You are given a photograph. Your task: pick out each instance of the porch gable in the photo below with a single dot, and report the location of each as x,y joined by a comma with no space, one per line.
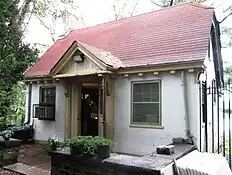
78,60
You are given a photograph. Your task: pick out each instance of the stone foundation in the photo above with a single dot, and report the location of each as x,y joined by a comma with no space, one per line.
9,151
66,164
63,163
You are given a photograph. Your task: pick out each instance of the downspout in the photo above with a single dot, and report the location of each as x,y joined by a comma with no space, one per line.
186,109
29,104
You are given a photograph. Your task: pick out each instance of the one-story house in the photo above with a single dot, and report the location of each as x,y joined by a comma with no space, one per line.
138,76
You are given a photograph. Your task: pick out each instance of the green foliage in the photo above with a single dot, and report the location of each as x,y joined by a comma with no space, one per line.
228,74
226,36
83,145
53,142
16,111
88,145
101,141
227,111
15,56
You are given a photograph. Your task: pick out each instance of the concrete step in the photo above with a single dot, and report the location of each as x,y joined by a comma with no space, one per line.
25,169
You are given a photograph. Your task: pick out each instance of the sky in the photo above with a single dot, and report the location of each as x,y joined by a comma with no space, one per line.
95,12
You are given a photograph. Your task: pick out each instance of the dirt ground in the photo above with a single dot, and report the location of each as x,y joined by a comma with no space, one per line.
35,155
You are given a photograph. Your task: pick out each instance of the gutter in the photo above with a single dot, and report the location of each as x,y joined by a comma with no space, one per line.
186,109
29,104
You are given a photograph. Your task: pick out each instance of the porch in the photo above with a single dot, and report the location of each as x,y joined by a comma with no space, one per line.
89,106
81,104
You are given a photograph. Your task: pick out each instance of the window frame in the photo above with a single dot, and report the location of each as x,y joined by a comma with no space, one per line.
40,94
132,103
44,105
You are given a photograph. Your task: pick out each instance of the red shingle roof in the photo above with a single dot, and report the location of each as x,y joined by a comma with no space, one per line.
174,34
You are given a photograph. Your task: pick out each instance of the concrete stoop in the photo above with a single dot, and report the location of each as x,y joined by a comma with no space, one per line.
24,169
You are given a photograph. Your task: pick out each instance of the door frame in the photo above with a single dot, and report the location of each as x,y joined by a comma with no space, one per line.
100,106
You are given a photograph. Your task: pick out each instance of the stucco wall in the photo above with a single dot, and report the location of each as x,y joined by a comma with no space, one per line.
44,128
144,140
209,75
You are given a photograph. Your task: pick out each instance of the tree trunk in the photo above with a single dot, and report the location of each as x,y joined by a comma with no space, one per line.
171,2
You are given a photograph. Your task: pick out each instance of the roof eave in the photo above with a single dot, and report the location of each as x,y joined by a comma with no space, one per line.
163,66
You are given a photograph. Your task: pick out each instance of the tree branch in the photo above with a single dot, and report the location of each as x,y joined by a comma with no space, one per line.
24,10
48,28
28,21
121,10
171,2
200,1
157,4
83,21
134,8
225,18
40,44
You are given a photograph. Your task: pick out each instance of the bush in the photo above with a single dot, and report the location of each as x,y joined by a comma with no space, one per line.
53,142
88,145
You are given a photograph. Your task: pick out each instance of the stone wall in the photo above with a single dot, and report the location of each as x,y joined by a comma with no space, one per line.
66,164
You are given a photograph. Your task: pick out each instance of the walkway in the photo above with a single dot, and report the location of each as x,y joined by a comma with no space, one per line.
35,155
33,159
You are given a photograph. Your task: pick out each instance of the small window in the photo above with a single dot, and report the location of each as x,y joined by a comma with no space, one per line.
45,110
48,95
146,107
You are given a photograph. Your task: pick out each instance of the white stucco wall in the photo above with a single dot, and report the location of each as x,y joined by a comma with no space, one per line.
193,105
209,75
44,128
144,140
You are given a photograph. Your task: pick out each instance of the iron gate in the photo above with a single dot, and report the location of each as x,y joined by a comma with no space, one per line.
215,118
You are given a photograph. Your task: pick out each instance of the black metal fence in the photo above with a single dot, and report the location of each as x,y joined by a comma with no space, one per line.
215,118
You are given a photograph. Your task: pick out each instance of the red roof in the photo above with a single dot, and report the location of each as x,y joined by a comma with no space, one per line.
170,35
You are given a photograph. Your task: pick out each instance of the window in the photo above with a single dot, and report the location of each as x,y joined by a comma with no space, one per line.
48,95
146,107
45,110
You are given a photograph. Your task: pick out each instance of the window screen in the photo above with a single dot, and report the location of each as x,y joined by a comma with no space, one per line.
146,102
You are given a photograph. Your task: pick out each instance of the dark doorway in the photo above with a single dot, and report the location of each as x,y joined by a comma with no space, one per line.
89,111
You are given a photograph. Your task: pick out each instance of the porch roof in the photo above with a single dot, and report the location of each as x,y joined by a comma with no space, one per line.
81,73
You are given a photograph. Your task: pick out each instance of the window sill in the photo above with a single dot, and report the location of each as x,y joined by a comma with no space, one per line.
146,126
46,119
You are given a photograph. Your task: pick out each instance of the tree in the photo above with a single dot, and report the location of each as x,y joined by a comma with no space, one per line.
16,111
15,56
125,8
166,3
54,13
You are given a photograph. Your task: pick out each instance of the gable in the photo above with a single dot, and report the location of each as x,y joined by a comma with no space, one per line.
73,65
77,59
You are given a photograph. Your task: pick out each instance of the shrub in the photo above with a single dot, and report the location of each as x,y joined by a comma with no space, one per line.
87,145
53,142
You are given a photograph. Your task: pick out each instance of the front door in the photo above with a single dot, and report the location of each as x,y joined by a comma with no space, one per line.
89,110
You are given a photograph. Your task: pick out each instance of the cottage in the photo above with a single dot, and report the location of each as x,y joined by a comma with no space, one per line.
135,80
